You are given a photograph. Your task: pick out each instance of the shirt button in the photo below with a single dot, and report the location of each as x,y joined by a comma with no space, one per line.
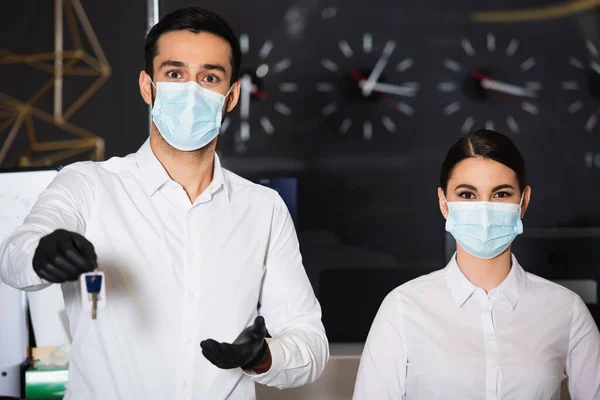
191,296
185,385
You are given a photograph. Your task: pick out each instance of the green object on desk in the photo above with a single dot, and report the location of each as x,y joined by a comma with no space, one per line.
45,382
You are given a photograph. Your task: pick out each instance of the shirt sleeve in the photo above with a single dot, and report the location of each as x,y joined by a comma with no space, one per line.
382,369
583,361
299,347
65,204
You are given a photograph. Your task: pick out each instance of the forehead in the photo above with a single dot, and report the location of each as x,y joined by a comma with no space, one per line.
193,48
481,172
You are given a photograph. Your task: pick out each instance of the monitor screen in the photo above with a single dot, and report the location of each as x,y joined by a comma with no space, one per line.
351,297
354,253
20,191
288,190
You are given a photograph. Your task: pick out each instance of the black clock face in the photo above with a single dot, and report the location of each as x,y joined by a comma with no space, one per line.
268,95
581,86
366,85
490,80
367,91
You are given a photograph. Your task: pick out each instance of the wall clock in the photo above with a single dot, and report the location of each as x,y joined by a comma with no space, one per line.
490,82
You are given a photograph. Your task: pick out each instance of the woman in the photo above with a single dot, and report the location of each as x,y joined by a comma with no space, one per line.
481,328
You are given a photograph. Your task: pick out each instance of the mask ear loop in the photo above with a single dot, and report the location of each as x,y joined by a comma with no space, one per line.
521,203
522,197
226,101
152,91
228,92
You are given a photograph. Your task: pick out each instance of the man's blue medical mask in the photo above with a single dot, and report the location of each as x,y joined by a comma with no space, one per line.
484,229
187,115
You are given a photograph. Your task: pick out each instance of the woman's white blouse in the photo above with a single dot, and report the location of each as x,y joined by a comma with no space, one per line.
441,337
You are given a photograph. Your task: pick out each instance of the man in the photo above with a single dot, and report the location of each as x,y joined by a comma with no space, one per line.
200,265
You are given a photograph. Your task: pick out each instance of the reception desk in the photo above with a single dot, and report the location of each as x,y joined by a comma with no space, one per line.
336,383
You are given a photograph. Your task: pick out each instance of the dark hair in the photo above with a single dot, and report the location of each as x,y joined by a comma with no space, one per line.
484,144
196,20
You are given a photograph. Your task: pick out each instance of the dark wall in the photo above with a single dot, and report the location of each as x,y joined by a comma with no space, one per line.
115,112
378,196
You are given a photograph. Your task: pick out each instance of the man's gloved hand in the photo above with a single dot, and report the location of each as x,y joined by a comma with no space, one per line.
63,256
247,351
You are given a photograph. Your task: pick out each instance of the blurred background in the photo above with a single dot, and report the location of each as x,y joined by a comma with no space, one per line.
358,172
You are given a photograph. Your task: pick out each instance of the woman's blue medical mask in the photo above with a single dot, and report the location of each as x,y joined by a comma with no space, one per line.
484,229
187,115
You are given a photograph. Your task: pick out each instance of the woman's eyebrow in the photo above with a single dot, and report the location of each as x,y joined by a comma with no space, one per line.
466,186
504,186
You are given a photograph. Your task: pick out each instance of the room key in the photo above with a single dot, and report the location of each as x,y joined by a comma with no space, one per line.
93,285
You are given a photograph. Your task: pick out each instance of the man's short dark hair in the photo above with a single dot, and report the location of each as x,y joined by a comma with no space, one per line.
196,20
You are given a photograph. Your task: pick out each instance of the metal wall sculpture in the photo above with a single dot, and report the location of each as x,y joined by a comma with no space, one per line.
16,114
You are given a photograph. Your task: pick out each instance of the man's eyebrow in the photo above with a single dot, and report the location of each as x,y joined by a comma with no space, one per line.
218,67
171,63
181,64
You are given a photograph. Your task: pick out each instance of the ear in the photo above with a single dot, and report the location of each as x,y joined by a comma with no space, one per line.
526,198
234,96
442,203
146,87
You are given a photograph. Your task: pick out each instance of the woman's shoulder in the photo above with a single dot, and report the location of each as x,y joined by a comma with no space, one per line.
538,286
421,287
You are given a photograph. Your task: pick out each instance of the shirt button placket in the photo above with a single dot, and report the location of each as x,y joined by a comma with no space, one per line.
491,350
188,352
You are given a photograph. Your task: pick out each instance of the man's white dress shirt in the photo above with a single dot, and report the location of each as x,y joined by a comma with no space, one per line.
441,337
176,273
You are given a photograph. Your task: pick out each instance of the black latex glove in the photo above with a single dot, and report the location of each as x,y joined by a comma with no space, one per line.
247,351
63,256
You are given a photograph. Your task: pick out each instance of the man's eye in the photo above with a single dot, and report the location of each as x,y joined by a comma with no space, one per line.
174,75
212,79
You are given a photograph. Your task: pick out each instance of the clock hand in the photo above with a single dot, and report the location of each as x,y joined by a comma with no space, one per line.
386,88
502,87
506,88
398,90
378,69
246,88
357,75
260,94
388,99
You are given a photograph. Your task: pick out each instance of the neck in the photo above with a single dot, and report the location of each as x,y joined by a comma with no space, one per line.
193,170
486,274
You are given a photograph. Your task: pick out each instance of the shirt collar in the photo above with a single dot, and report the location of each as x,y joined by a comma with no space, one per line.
154,175
513,286
219,180
461,288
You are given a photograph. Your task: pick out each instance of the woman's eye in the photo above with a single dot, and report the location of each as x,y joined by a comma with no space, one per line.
503,195
467,195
